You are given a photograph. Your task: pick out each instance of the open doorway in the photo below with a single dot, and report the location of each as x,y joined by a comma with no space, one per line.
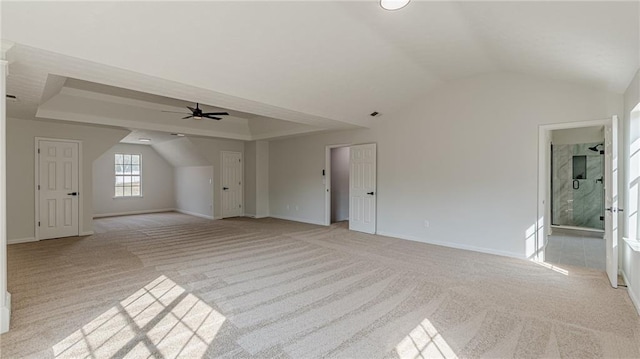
577,198
540,249
339,185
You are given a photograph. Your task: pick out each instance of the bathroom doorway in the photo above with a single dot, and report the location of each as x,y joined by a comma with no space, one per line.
577,198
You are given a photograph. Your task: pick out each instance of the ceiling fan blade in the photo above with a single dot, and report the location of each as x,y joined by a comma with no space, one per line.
191,108
212,117
184,118
184,113
216,114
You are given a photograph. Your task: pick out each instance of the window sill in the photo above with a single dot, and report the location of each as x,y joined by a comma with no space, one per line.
634,244
128,197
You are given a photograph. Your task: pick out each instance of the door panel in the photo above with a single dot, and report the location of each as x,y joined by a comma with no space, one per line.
58,178
611,232
362,188
232,184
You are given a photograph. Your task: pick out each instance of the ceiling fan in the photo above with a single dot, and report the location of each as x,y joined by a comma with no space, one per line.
197,113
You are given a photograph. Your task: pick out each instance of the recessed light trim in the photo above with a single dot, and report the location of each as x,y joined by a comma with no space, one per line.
392,5
142,139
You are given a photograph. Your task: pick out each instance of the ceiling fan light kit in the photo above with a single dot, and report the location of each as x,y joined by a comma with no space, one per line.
197,114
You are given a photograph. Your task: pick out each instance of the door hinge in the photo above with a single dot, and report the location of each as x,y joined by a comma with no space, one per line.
240,206
38,224
38,187
38,150
239,160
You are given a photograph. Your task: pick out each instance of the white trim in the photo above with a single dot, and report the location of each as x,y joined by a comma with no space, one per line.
635,300
193,213
86,233
633,244
452,245
5,314
21,240
117,214
301,220
251,215
37,180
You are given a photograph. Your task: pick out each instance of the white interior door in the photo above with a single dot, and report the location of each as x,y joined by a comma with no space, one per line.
362,188
231,184
611,231
57,189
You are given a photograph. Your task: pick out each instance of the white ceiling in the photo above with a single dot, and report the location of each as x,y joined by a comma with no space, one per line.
321,64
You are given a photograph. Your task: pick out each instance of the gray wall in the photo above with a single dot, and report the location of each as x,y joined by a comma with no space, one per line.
21,173
630,250
340,184
250,178
432,161
157,183
194,190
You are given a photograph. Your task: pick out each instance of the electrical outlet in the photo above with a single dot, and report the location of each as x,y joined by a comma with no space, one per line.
297,207
287,207
426,223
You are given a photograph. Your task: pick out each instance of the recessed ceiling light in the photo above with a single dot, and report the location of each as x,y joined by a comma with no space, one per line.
144,139
393,4
178,134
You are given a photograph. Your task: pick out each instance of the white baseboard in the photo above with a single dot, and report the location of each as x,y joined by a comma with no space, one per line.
295,219
193,213
21,240
452,245
254,216
86,233
102,215
5,314
635,300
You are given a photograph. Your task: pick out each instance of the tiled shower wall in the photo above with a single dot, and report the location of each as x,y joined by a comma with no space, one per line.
577,207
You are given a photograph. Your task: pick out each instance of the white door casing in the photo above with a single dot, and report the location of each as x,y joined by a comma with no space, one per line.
611,231
362,188
232,190
58,189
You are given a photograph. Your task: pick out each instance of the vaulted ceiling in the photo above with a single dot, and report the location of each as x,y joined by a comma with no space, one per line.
298,67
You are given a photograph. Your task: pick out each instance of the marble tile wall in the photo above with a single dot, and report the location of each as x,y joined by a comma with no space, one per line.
580,207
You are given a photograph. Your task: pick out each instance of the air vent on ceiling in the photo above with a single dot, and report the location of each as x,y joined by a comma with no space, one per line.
374,114
12,97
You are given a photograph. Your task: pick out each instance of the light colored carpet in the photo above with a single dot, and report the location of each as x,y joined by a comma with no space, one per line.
269,288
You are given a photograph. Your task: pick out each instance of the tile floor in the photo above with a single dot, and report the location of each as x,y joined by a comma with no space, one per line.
576,250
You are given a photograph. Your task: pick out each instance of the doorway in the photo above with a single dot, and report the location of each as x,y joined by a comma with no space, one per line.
362,193
57,172
339,186
558,228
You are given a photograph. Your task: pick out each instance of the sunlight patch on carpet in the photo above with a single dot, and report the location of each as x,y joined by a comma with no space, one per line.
159,318
424,341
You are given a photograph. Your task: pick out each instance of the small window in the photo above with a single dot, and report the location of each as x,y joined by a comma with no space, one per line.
128,180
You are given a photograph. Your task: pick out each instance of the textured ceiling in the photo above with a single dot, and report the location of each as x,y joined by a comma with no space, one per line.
325,63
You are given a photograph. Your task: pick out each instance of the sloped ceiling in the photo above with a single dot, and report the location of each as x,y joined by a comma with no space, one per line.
322,64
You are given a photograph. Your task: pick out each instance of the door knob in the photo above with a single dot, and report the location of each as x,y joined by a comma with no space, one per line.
370,193
72,194
225,188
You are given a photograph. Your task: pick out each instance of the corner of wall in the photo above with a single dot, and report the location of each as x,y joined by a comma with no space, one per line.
5,314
